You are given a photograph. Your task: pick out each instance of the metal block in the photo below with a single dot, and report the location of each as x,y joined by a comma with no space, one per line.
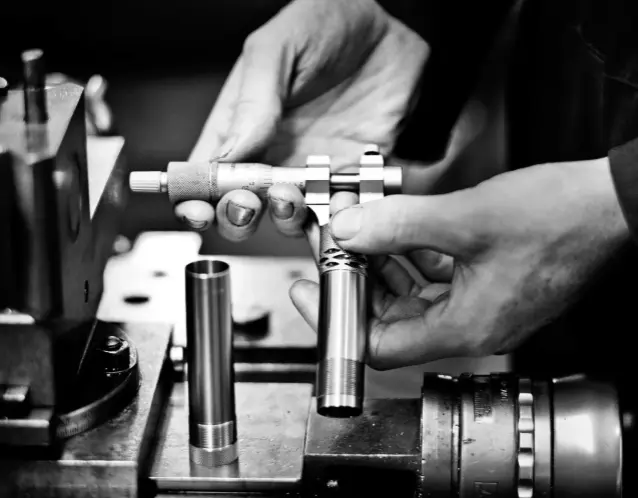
112,459
271,426
359,456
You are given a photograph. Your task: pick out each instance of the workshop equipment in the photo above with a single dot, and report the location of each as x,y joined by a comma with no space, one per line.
52,259
494,435
343,275
209,356
63,372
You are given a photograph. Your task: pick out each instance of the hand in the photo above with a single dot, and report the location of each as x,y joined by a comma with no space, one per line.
524,245
319,78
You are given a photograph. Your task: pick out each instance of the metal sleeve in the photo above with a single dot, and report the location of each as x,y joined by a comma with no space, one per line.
342,334
209,353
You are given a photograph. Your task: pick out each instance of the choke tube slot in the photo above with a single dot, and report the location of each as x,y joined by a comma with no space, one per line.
211,382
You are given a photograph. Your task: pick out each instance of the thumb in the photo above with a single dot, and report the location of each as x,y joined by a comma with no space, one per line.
401,223
266,68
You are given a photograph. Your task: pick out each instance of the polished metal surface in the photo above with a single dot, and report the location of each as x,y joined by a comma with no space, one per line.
271,423
375,454
525,424
112,459
587,439
543,423
439,436
341,333
209,358
488,435
35,104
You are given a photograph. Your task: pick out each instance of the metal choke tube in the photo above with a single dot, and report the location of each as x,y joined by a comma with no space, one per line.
341,329
211,386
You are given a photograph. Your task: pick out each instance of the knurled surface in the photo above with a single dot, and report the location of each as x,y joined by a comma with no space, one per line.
340,376
146,181
216,436
332,257
192,181
213,458
525,485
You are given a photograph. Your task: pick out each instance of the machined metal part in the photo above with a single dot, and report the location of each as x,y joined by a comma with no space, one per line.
64,195
209,351
342,334
468,436
113,459
271,429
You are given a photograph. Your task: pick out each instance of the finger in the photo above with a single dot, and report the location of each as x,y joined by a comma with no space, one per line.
196,215
414,340
394,276
238,215
433,265
342,200
267,62
313,235
287,209
305,297
434,292
400,223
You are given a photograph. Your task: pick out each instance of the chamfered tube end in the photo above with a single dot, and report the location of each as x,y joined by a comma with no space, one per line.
340,384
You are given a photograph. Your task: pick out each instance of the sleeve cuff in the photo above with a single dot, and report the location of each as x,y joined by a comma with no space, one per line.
623,161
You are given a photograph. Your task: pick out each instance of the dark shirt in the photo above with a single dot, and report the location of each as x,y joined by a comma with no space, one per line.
572,95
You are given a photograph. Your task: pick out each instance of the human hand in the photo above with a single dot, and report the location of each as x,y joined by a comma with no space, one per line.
520,249
319,78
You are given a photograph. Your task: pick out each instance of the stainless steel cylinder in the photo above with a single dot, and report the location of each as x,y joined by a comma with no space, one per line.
209,354
342,337
35,105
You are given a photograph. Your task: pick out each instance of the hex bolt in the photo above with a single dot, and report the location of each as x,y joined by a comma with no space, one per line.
114,354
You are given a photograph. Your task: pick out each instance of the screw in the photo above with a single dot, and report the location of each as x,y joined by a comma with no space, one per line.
112,343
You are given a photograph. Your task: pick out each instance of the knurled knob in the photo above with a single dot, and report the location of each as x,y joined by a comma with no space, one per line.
148,181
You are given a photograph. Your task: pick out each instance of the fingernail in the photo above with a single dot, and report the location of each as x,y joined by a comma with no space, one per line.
239,215
282,209
195,224
346,223
225,149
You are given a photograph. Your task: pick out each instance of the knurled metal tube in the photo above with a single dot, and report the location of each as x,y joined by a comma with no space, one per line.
35,105
209,354
341,330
